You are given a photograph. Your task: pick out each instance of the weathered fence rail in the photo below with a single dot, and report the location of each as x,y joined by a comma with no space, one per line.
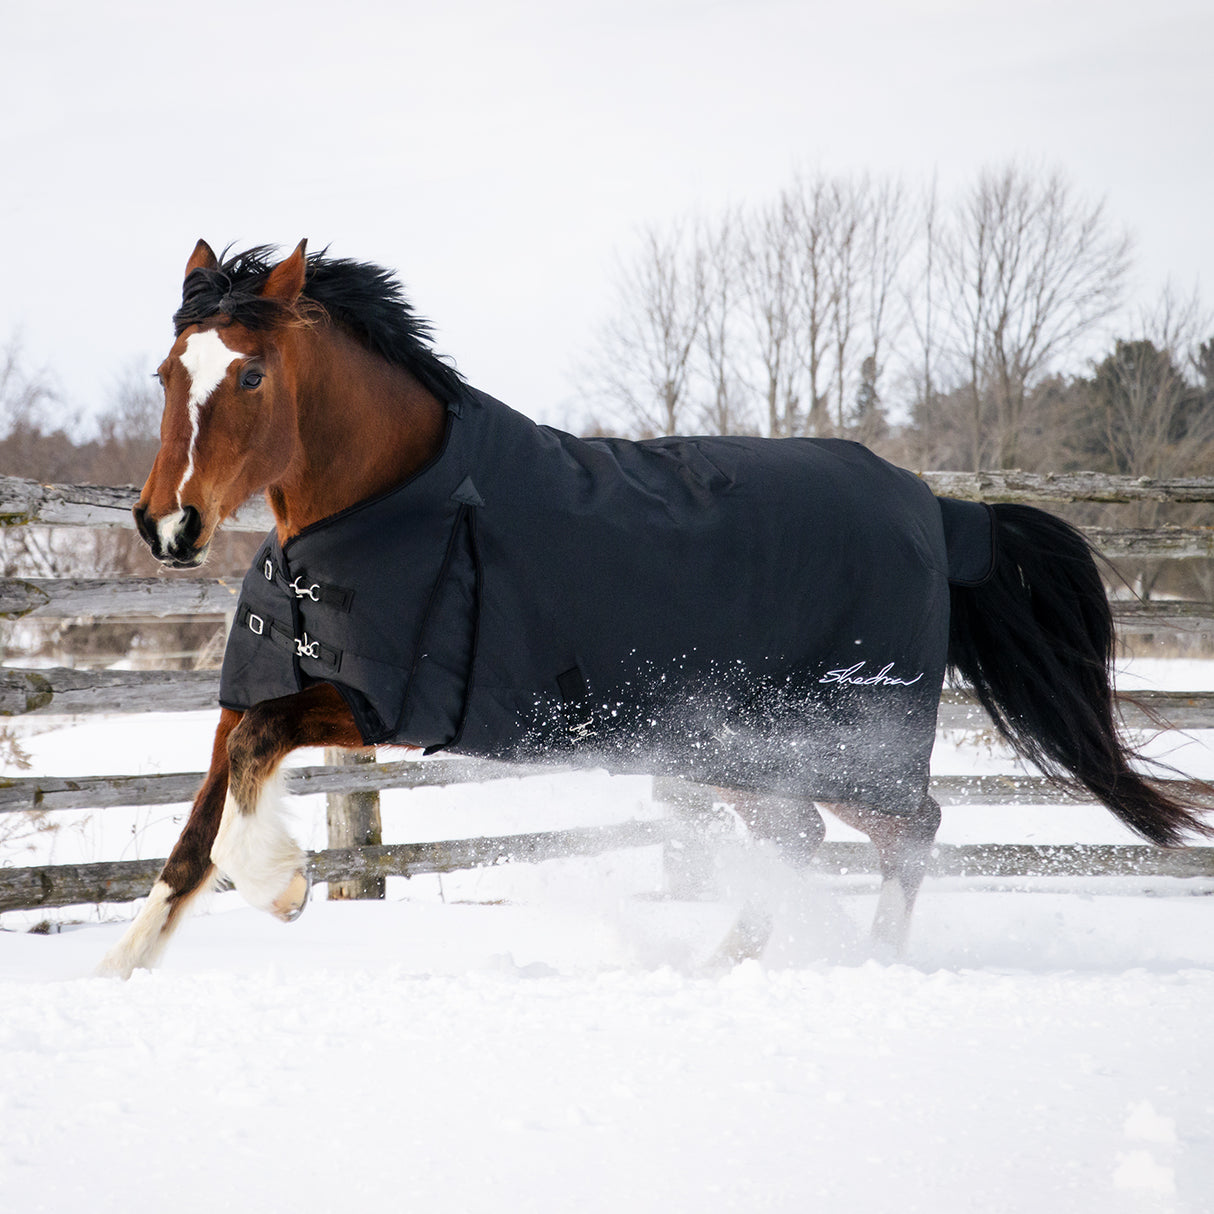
29,502
59,690
125,880
160,598
23,794
1032,487
62,691
116,598
25,501
70,692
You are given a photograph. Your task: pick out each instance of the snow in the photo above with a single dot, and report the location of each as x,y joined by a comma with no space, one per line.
548,1038
468,1058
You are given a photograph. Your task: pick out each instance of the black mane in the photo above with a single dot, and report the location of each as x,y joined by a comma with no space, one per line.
363,299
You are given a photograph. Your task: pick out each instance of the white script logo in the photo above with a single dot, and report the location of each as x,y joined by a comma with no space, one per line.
852,677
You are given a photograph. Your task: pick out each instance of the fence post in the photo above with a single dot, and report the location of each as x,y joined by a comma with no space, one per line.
354,821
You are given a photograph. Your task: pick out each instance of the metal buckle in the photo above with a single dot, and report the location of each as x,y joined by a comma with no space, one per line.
257,625
306,592
307,648
268,569
582,730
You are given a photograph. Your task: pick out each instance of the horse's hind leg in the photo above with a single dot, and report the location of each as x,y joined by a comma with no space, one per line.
904,844
252,847
795,827
187,873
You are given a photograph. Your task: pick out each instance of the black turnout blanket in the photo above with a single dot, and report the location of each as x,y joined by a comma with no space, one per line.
753,613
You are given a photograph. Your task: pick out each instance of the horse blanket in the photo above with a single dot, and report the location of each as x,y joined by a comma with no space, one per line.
755,613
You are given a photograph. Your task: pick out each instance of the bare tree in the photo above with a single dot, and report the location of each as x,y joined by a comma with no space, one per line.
25,395
812,215
33,446
1150,417
887,240
35,427
768,301
927,331
1028,269
719,263
644,363
128,429
807,258
783,319
846,257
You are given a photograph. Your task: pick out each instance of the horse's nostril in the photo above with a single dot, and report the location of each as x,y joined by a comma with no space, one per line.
146,531
141,520
191,527
173,538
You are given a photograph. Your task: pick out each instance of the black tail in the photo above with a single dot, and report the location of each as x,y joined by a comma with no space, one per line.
1036,643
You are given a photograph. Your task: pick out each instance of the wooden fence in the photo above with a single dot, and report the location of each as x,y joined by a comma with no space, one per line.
72,692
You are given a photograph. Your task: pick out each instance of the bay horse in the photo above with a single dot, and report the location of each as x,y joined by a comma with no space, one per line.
771,616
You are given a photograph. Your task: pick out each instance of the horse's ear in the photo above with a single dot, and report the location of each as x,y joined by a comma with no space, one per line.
202,258
286,280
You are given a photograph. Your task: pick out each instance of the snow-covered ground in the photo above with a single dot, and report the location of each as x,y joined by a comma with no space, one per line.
548,1038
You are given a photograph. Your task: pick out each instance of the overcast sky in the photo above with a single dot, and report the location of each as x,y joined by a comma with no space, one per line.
498,155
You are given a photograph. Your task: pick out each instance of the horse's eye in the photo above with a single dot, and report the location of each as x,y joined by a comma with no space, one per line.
251,379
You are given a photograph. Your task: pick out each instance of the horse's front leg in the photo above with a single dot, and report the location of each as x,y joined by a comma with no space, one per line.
187,873
904,845
252,847
797,830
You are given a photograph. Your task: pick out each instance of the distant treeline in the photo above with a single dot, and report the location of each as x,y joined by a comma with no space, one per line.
987,329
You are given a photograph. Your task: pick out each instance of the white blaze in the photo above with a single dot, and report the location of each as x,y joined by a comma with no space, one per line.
167,526
206,361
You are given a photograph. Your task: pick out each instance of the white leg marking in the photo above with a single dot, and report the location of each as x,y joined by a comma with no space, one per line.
142,942
206,360
259,856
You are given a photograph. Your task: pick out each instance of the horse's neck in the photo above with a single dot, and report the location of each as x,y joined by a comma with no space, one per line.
364,426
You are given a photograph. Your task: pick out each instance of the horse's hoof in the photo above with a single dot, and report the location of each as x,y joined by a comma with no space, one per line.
745,941
290,904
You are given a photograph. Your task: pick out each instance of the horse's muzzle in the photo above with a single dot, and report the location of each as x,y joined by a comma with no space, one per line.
173,539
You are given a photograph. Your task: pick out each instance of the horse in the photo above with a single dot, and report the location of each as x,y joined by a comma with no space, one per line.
774,616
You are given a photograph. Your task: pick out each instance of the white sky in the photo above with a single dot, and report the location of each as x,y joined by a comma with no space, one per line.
497,155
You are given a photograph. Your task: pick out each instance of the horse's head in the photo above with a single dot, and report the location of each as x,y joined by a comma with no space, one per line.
229,402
